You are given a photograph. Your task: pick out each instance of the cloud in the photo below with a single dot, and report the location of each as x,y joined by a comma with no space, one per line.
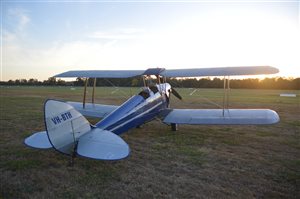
16,21
19,18
14,28
221,42
8,36
41,63
118,34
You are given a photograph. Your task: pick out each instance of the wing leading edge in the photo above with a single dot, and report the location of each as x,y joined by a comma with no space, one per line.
215,116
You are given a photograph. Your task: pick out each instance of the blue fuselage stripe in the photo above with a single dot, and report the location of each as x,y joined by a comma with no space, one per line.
135,116
133,113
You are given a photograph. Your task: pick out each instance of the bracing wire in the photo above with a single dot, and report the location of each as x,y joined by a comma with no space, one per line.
123,94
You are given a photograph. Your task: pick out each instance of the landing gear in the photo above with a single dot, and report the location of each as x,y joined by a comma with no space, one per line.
174,127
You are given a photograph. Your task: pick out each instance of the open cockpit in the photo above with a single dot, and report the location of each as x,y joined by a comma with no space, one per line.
149,91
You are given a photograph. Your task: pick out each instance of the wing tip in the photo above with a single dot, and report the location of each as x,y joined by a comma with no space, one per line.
273,117
271,70
64,74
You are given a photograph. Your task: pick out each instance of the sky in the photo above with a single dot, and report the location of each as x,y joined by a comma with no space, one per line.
42,38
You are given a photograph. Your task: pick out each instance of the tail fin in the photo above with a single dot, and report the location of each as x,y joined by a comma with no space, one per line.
64,125
69,131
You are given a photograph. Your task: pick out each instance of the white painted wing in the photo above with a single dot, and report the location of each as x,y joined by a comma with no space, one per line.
102,145
38,140
222,71
215,116
101,73
93,110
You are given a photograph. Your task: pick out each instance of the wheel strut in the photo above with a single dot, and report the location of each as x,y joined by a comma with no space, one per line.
174,127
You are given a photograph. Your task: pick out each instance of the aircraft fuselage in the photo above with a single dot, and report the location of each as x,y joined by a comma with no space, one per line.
137,110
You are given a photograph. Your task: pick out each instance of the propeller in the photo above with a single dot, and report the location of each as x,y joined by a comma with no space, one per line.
174,92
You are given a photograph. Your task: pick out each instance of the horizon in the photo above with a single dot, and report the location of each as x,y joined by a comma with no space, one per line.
211,78
41,39
197,83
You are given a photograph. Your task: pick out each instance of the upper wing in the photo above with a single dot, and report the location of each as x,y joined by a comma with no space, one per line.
93,110
215,116
192,72
101,73
222,71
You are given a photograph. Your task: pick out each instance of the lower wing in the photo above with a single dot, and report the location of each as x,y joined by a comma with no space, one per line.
93,110
220,116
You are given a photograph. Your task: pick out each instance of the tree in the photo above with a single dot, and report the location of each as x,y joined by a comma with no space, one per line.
32,82
78,82
51,81
60,82
134,82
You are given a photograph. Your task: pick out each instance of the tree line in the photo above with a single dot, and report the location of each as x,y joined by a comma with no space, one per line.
267,83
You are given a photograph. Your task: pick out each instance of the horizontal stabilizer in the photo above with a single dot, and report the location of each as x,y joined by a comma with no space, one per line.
217,116
102,145
38,140
93,110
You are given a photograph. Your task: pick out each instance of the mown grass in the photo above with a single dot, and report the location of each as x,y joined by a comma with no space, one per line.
182,145
19,165
194,162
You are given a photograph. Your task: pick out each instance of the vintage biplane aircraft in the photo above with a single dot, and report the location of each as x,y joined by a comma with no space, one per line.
70,133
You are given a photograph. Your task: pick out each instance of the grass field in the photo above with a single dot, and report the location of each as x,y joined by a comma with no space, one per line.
194,162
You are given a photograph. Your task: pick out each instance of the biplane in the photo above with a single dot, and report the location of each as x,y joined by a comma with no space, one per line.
69,132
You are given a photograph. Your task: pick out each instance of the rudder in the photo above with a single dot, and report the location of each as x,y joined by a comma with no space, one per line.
64,125
70,132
